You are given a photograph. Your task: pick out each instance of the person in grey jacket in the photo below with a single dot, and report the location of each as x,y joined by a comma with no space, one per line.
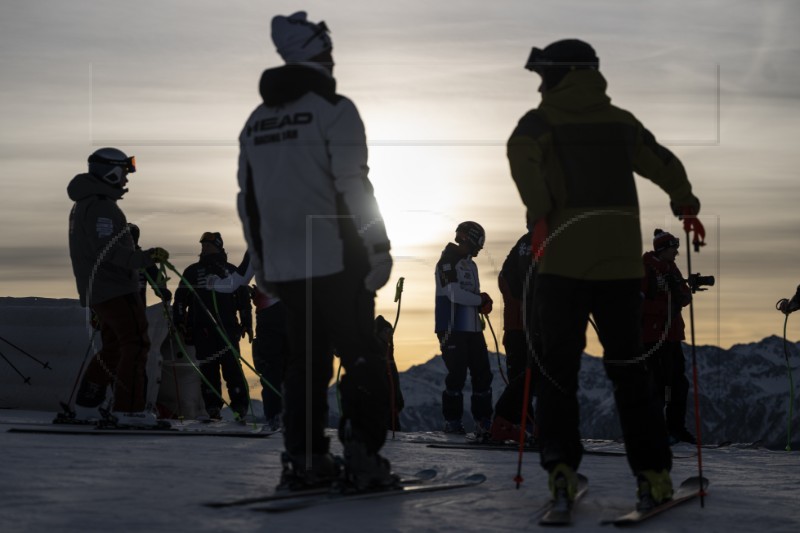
317,241
106,265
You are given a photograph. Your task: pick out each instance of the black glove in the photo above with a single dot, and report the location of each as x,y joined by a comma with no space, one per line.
95,321
165,294
486,304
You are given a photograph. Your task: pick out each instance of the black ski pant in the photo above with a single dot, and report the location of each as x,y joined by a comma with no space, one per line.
327,315
462,352
270,351
672,386
509,405
214,355
122,360
563,309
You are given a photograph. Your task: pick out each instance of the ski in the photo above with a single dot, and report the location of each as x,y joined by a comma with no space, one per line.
303,502
513,447
419,477
75,429
557,515
688,490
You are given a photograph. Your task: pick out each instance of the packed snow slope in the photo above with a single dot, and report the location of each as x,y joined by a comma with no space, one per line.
62,483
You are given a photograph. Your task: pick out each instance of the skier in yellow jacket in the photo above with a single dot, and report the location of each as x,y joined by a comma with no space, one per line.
573,160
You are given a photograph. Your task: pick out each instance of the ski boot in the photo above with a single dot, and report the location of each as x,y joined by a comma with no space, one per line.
134,420
298,475
482,430
364,471
454,427
681,435
78,414
563,485
652,489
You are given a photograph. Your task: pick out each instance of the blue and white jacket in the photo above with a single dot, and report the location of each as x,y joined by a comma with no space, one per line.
458,292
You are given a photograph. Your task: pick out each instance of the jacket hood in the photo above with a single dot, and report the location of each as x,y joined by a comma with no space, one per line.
651,259
85,185
580,90
289,82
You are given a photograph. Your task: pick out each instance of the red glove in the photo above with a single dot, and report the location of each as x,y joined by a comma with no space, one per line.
486,304
692,223
538,238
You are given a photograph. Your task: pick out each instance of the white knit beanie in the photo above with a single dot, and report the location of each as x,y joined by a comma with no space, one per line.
297,39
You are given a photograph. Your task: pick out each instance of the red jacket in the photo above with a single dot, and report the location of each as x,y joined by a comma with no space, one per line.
665,293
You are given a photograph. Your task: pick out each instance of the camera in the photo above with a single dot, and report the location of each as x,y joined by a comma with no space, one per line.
697,281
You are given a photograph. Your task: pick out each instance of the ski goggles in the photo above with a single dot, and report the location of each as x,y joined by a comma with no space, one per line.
213,237
127,164
322,28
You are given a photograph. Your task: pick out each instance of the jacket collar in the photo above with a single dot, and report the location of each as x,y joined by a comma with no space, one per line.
580,90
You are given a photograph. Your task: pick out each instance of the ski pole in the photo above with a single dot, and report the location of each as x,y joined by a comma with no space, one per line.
393,406
398,297
529,353
71,400
695,377
25,380
496,349
45,364
518,479
791,389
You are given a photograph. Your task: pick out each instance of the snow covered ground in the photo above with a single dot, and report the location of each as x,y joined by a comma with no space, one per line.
64,483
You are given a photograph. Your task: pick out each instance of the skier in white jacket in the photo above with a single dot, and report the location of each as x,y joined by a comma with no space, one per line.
318,241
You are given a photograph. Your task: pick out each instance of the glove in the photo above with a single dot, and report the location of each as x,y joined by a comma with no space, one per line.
380,268
538,238
692,224
157,255
95,321
786,306
486,304
166,294
211,281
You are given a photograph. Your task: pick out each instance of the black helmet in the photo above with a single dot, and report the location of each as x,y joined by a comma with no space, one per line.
472,234
560,58
110,165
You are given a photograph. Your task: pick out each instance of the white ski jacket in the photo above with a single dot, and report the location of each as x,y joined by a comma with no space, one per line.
305,201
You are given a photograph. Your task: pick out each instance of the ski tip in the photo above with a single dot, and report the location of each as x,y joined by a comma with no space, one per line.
695,482
425,474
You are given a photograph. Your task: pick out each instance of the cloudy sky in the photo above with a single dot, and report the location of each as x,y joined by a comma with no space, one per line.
440,86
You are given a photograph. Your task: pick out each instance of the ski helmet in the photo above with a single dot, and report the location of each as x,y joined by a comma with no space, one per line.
212,237
560,58
471,234
111,165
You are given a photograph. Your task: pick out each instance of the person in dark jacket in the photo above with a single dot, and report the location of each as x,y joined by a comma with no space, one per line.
198,313
573,160
106,264
665,294
318,242
516,281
